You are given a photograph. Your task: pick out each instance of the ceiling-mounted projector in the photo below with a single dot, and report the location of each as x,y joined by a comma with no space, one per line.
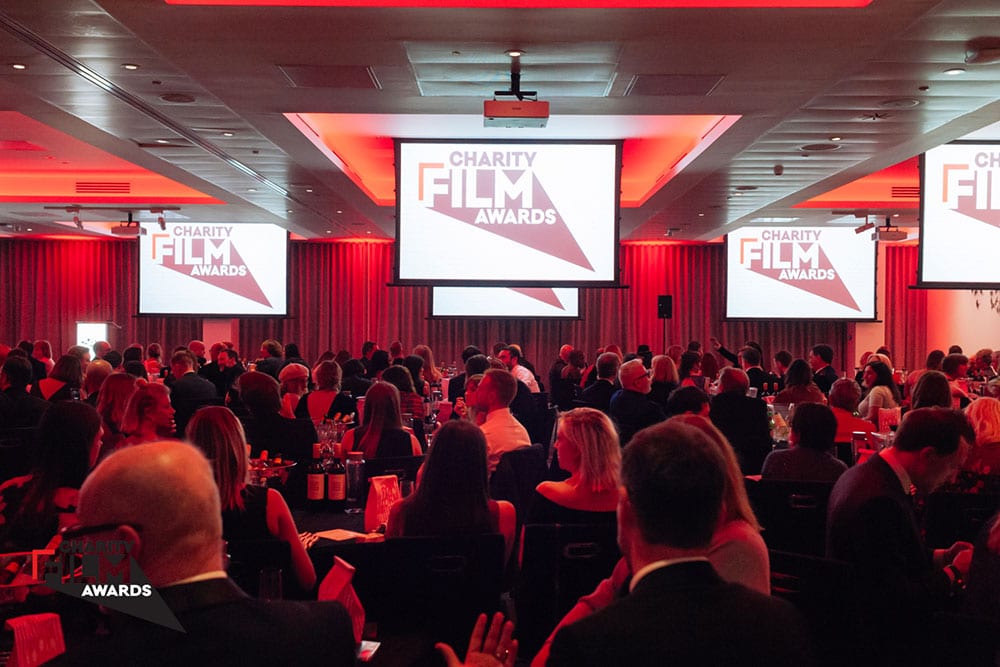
128,229
515,113
889,233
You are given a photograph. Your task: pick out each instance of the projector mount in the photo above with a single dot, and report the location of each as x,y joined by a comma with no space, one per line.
515,81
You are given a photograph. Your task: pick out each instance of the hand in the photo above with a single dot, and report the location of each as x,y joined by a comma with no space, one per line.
486,649
962,560
715,343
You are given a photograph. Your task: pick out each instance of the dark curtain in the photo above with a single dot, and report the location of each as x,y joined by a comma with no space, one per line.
905,310
340,296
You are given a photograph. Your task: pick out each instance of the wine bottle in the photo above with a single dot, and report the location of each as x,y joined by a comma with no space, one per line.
336,486
316,480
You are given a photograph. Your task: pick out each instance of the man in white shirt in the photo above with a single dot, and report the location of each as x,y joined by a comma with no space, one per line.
503,432
511,357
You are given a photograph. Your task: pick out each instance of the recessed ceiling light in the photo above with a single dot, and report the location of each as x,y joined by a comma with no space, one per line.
130,66
28,229
290,210
955,71
329,231
701,215
251,189
229,134
737,194
514,53
163,141
309,189
836,138
19,66
339,211
895,215
368,232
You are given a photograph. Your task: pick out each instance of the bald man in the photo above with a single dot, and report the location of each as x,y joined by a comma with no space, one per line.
630,407
161,497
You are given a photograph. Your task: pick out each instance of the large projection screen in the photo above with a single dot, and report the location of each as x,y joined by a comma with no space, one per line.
506,302
800,273
526,214
214,270
960,216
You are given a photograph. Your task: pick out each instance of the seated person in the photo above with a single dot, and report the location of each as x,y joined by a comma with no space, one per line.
588,449
381,433
149,415
34,506
294,383
452,493
688,401
65,379
326,401
162,499
742,419
810,457
981,471
18,408
932,390
248,512
630,407
882,391
409,401
799,386
844,398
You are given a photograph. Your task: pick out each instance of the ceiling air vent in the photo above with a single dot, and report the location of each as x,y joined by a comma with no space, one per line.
103,187
905,191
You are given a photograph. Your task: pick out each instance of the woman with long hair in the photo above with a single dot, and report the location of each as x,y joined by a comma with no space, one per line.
588,448
882,390
409,402
689,371
415,364
932,390
326,401
431,373
35,506
42,350
153,354
148,415
111,406
65,379
452,494
248,512
799,386
381,433
665,380
737,551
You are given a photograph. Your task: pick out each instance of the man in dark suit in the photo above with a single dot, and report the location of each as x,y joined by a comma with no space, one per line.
630,408
678,611
598,395
824,375
750,360
456,386
189,391
742,419
871,522
162,499
19,409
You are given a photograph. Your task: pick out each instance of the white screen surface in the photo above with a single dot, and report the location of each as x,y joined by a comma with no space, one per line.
800,273
213,269
507,213
534,302
960,216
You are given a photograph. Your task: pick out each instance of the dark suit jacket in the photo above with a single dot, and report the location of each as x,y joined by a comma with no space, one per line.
226,627
187,394
825,378
758,377
744,422
20,409
871,523
685,615
598,395
456,387
632,412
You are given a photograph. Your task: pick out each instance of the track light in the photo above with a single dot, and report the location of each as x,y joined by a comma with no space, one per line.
76,221
163,223
864,228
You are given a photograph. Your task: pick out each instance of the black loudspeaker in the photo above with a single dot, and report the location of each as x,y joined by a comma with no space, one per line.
664,306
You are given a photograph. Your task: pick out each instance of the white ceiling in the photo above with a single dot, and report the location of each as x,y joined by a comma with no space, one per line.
796,76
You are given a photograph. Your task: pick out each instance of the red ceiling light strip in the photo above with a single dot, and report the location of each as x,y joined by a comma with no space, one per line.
527,4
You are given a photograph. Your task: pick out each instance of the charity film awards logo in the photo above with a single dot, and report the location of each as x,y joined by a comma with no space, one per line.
795,257
499,192
973,188
207,253
102,572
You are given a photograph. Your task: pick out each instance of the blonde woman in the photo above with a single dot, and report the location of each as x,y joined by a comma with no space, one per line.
588,449
148,416
112,403
248,512
431,374
665,379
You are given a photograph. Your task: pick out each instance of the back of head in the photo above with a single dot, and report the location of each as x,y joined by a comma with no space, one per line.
136,369
940,428
476,365
674,478
664,369
932,390
352,367
689,360
154,351
43,347
515,351
292,351
630,372
503,387
166,492
68,369
984,417
596,441
367,347
415,364
113,358
381,413
814,425
734,380
799,374
399,377
396,349
140,403
260,392
379,362
272,347
824,352
469,352
97,373
183,359
18,371
952,364
751,356
64,442
783,357
607,365
217,432
686,400
326,374
845,394
115,394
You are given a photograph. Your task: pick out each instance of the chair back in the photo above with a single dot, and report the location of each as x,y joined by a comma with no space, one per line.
15,452
518,473
792,513
248,557
950,517
560,563
403,467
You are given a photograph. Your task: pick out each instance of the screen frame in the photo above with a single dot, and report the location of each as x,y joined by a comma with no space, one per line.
218,316
920,282
432,316
725,287
509,282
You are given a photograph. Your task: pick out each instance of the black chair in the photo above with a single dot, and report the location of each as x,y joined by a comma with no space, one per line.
826,593
248,557
403,467
16,451
437,586
518,473
560,563
950,517
793,514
